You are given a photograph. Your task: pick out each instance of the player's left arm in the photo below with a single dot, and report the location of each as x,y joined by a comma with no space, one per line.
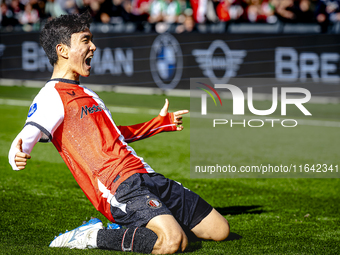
176,116
165,121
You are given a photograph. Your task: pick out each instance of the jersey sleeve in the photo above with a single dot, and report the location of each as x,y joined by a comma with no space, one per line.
44,116
143,130
46,112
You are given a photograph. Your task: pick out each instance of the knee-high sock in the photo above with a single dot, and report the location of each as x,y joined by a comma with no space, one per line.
139,240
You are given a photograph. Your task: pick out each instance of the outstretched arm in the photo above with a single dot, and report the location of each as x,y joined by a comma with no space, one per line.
165,121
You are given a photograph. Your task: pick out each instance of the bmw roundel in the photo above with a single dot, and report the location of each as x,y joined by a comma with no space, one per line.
32,109
166,61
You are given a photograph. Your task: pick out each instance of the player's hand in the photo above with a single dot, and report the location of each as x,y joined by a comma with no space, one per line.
177,115
21,157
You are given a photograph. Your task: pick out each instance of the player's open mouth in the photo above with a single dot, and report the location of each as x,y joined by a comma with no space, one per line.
88,61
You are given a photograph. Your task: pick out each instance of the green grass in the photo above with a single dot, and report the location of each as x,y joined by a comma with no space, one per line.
267,216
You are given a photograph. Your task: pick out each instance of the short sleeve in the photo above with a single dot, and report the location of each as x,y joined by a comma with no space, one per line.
46,112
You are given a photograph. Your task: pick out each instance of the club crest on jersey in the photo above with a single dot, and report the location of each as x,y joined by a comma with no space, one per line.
154,203
90,110
32,109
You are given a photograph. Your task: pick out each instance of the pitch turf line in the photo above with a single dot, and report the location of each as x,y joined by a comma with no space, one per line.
154,112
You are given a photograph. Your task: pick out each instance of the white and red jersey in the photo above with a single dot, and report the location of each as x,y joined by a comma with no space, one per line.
95,150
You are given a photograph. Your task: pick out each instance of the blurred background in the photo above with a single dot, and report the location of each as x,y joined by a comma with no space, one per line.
178,16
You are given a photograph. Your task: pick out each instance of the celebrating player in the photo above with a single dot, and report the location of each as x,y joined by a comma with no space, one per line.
157,212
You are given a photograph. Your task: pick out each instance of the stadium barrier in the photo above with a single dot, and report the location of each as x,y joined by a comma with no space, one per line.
167,61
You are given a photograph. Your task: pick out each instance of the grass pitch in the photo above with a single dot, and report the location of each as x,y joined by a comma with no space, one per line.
267,216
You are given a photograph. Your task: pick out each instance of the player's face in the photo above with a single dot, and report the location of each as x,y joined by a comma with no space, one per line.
81,53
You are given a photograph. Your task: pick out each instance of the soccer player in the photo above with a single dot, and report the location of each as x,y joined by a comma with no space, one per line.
157,212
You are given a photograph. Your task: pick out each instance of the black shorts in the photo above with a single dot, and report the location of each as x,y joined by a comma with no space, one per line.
149,195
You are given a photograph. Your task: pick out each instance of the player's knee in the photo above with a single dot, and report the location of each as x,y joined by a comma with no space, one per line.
172,244
222,232
171,237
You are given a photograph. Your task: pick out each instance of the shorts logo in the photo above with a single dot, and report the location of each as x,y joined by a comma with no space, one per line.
154,203
32,109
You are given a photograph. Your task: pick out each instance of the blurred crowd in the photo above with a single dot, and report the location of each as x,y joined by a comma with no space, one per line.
30,14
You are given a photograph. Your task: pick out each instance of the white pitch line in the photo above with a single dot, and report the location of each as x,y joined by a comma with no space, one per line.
118,109
15,102
155,112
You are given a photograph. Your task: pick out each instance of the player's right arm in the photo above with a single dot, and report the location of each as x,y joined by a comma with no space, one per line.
44,117
22,146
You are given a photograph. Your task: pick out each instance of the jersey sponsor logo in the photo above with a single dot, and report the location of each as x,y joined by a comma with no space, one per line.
219,62
154,203
32,109
166,61
90,110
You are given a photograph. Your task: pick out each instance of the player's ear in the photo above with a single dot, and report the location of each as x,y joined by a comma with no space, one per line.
62,50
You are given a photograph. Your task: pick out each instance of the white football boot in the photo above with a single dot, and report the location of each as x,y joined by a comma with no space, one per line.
82,237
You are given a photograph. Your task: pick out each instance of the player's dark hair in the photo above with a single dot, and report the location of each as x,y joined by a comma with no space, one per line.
60,30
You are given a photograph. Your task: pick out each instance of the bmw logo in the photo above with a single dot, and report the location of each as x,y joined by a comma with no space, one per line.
166,61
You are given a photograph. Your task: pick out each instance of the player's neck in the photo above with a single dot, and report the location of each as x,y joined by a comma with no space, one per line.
63,72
